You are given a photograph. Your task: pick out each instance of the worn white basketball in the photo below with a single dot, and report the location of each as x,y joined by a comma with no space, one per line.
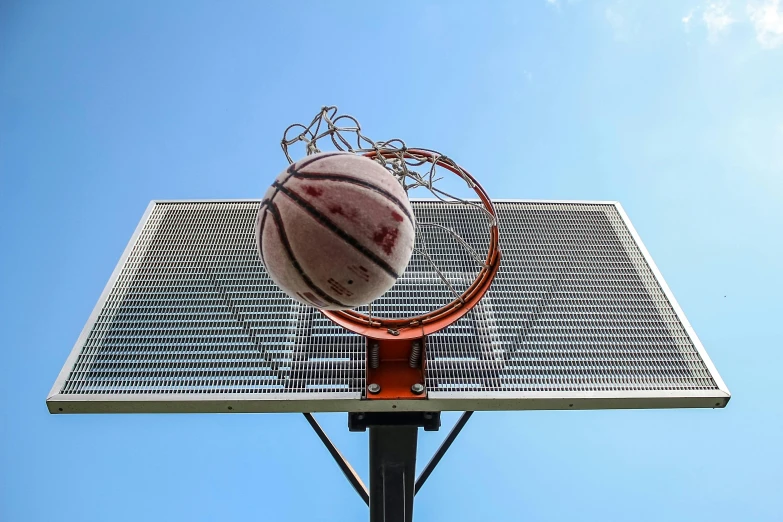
335,230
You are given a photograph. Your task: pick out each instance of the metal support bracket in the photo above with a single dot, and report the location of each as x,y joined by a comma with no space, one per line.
445,445
395,369
393,442
345,466
360,421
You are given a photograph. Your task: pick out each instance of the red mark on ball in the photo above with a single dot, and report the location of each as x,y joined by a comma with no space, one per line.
386,238
351,213
313,191
396,216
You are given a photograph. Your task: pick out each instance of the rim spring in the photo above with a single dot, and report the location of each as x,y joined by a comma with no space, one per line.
375,355
415,357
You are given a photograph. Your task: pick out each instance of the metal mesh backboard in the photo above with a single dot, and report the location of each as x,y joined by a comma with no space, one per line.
578,317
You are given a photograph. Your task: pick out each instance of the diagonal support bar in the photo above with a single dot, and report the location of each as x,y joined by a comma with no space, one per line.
442,450
346,468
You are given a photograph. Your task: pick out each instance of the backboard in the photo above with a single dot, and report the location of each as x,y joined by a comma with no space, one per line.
578,317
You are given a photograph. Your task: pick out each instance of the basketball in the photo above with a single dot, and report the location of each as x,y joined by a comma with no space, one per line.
335,230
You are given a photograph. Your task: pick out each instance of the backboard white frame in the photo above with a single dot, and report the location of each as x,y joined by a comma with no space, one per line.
352,401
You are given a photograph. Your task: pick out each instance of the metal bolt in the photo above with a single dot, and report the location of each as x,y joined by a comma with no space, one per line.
428,416
360,417
374,388
417,388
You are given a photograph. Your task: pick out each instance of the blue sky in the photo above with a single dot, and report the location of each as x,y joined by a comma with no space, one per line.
673,108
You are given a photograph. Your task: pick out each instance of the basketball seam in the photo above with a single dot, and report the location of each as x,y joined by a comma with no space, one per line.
330,225
265,203
272,209
308,161
293,171
353,181
260,230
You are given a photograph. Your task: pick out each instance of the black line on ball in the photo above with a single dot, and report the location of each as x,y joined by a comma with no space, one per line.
260,231
329,224
307,160
302,163
292,170
272,209
354,181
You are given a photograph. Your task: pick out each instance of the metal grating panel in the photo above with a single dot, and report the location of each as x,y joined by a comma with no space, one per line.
193,311
576,308
578,312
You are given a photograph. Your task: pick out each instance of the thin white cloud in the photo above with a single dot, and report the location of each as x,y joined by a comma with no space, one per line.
617,22
554,3
767,20
686,21
717,20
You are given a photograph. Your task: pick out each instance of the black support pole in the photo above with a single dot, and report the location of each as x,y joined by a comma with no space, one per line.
392,473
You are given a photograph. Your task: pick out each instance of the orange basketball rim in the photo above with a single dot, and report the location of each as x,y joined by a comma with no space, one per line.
417,327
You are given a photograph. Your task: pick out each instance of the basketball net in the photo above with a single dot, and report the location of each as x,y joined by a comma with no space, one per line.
415,169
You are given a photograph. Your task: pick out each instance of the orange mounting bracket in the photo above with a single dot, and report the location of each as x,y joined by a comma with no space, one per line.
395,369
